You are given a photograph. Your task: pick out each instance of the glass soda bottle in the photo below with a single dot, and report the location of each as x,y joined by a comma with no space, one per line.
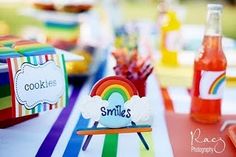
170,34
209,71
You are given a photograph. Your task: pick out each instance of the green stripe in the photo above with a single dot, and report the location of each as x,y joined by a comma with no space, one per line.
6,50
28,59
113,90
64,35
33,48
149,140
8,53
35,63
5,90
110,145
66,78
5,102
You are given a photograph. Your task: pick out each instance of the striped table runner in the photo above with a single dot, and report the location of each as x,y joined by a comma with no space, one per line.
53,133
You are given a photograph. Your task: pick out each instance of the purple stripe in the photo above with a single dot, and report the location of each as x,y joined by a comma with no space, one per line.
40,60
49,143
44,107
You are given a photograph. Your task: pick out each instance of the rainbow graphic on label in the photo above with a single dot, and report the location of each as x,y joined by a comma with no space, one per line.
106,104
114,102
216,84
106,87
211,85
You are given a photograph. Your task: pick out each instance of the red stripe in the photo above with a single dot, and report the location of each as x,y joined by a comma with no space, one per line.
189,90
46,57
12,88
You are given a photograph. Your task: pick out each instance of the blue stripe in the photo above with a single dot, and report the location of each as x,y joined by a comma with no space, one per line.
37,52
61,25
47,147
4,78
75,143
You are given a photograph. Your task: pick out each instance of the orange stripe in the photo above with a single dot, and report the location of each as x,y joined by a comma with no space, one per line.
114,131
55,106
114,78
167,100
108,83
168,103
16,103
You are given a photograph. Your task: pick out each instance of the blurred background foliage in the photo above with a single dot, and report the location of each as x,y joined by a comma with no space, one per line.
133,10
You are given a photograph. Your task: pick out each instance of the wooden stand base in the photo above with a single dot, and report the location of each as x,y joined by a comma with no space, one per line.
130,129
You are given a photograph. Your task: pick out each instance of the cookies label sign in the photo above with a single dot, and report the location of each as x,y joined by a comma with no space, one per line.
38,84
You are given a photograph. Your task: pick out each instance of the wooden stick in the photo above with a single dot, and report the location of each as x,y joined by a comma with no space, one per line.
141,137
98,131
89,137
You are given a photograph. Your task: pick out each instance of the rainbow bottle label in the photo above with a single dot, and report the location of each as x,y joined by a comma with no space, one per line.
211,84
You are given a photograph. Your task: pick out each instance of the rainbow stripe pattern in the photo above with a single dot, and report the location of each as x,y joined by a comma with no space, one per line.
32,48
61,31
8,40
109,85
216,84
12,46
15,63
7,52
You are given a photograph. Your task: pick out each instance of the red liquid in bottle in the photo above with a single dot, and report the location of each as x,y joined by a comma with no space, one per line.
209,77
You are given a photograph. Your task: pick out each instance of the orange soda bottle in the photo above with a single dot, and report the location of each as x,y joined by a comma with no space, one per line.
170,34
209,71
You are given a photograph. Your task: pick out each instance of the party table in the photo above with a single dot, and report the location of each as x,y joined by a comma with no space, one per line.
54,133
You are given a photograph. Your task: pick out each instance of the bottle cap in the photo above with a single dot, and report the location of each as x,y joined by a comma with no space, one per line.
215,7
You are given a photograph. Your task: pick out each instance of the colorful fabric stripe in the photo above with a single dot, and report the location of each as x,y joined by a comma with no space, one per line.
63,35
5,102
74,146
8,40
75,143
5,90
110,145
49,143
63,63
6,52
31,48
4,78
149,139
61,25
167,100
61,31
36,52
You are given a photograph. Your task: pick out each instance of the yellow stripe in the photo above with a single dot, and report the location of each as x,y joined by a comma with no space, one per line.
58,63
149,139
